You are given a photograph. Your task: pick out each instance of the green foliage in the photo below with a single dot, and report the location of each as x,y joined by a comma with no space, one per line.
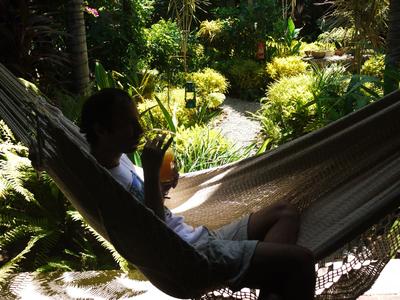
209,81
210,30
317,46
163,43
214,100
285,67
32,41
374,66
140,85
339,36
170,107
329,87
246,74
173,100
119,29
285,114
244,23
368,20
300,104
286,44
37,230
197,58
199,148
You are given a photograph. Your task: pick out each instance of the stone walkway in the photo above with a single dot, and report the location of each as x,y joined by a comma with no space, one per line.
235,123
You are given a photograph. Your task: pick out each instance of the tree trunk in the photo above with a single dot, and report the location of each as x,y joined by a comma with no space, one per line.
392,69
78,47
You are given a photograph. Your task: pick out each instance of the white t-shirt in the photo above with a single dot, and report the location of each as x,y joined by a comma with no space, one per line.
131,178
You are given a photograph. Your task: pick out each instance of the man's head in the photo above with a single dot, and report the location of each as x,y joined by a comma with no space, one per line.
110,118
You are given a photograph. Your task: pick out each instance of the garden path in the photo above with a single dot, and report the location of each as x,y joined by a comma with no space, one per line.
235,123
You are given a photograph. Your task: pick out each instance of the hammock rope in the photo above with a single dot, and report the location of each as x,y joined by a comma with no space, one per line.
344,178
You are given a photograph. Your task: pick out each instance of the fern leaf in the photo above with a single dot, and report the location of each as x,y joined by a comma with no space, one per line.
14,216
16,234
11,266
122,262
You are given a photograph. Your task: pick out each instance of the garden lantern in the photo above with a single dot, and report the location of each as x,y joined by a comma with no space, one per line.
190,94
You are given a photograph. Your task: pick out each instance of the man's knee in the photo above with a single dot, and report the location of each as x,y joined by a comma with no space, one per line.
287,210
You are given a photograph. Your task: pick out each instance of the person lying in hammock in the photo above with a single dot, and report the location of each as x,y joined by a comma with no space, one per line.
260,248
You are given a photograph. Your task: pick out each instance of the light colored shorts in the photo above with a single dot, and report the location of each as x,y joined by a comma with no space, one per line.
229,252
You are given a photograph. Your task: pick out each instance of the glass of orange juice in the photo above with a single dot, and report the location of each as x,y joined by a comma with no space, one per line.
167,167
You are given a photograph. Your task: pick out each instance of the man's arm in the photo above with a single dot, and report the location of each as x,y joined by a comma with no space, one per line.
152,156
153,197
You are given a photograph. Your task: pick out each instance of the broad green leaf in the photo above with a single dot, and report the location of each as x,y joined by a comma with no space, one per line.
291,26
166,115
102,77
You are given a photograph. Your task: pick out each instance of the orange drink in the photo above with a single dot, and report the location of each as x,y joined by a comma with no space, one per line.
167,166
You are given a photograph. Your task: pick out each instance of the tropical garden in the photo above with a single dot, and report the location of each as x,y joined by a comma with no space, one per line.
307,62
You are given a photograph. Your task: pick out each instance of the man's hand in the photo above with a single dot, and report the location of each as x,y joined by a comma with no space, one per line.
153,154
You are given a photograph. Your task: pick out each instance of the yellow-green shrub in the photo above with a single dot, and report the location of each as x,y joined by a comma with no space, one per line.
210,87
174,102
374,66
210,29
286,66
214,100
209,81
199,147
285,113
316,46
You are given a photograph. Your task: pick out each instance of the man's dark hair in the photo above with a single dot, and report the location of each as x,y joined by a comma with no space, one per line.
98,109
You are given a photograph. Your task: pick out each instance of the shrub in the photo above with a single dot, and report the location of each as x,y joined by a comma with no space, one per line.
246,74
197,59
302,103
285,112
214,100
316,46
163,42
209,30
329,86
374,66
339,36
199,148
174,102
209,81
285,42
119,30
238,23
285,67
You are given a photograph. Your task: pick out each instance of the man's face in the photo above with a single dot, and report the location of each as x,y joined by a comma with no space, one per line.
126,130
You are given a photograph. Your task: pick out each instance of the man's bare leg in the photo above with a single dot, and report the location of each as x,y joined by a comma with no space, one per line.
278,223
278,265
282,269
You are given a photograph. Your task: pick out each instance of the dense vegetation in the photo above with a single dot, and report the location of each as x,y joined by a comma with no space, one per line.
261,50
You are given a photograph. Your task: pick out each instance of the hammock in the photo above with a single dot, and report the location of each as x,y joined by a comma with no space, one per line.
344,179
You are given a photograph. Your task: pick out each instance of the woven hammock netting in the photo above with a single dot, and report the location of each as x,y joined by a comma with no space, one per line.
343,178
